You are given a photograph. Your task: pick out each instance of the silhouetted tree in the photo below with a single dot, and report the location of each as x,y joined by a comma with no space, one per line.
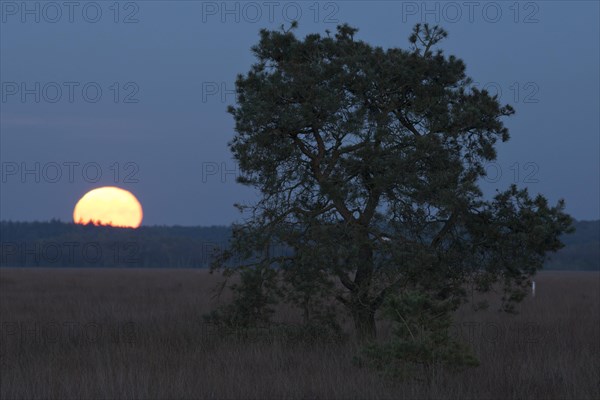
368,161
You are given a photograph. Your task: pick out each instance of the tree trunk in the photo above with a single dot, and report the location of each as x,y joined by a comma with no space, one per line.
362,308
364,323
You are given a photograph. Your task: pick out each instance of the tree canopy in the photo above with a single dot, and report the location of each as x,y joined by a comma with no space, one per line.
367,161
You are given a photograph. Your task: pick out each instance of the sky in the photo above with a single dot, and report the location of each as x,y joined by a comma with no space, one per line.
134,94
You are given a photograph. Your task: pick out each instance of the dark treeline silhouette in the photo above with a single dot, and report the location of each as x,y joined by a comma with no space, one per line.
59,244
581,251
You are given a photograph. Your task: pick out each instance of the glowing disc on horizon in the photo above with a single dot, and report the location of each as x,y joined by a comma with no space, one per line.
109,205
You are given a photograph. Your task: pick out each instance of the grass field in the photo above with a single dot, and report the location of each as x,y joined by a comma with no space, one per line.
138,334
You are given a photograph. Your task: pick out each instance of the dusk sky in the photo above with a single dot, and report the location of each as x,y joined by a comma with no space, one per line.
135,96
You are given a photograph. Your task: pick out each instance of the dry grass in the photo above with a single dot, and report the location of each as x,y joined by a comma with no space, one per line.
137,334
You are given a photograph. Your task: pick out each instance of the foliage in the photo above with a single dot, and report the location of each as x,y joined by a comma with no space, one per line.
252,303
421,339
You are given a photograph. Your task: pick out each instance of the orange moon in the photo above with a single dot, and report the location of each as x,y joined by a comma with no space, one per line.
109,205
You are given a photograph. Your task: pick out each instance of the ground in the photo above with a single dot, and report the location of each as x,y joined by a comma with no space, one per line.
125,333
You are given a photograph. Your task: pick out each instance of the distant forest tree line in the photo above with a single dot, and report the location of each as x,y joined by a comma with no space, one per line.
59,244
